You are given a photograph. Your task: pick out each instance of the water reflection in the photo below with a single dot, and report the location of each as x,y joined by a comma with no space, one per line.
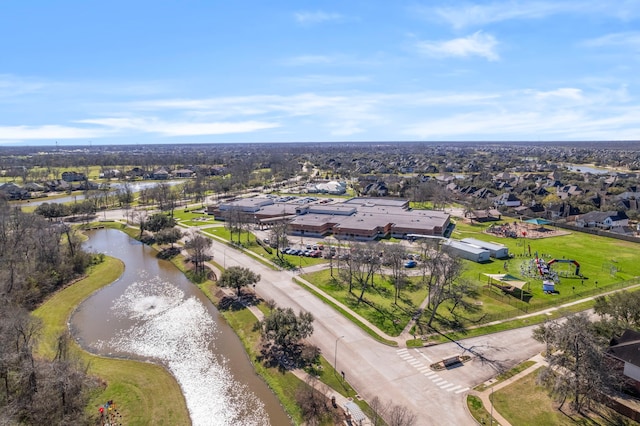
152,312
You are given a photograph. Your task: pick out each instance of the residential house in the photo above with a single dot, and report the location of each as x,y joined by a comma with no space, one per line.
604,220
11,191
507,199
160,174
183,173
626,350
73,176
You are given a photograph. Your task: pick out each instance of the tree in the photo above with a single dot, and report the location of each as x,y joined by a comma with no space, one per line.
125,195
197,248
278,235
364,261
233,221
282,334
576,370
52,210
619,312
444,270
394,257
313,402
168,236
159,221
238,277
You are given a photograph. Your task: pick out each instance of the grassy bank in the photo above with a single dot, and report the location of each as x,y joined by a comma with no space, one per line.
145,393
526,403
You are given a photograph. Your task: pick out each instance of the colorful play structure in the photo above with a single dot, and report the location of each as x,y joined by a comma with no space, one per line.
550,277
577,265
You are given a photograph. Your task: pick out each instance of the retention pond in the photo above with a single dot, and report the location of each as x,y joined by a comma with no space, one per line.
153,313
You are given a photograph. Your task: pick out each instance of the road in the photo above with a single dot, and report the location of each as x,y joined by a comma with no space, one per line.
398,374
393,374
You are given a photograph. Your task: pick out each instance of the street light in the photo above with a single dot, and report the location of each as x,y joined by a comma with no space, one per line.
335,356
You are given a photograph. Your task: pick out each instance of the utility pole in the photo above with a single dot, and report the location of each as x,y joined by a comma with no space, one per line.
335,355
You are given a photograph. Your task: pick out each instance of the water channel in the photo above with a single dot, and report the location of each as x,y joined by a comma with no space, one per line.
154,313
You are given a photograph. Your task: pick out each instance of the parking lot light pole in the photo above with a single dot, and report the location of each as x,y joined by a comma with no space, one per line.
335,356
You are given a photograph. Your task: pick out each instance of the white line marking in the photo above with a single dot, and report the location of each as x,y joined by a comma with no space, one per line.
402,350
438,380
454,388
425,357
406,356
423,369
462,390
430,374
445,386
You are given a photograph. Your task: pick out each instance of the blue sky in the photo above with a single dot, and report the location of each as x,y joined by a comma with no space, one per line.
138,72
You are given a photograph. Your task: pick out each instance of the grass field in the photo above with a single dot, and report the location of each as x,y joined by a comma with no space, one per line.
145,393
379,308
524,403
605,264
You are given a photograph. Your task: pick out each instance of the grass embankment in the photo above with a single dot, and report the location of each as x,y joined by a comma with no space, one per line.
525,403
479,412
283,383
145,393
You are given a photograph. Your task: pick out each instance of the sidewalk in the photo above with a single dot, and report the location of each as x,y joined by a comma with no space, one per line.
485,395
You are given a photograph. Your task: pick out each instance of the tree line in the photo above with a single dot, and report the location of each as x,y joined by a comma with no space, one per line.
37,257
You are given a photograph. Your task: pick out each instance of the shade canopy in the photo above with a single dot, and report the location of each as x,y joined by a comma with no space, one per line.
506,279
538,221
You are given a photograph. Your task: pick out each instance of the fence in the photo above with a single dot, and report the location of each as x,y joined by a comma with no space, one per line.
521,307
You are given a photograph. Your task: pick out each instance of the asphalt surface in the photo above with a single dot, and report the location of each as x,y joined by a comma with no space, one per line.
392,373
395,374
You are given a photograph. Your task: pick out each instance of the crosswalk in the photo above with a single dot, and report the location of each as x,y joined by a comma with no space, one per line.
425,370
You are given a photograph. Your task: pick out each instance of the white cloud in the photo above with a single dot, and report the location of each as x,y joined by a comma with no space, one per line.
477,44
317,17
477,15
11,86
310,60
465,14
630,40
49,132
327,80
177,128
561,93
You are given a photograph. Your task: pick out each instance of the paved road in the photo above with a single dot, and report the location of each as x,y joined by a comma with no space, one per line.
400,375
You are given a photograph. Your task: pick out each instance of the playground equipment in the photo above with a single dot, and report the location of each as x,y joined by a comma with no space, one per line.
566,261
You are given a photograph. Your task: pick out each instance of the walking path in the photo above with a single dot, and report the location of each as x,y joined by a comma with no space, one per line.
485,395
400,341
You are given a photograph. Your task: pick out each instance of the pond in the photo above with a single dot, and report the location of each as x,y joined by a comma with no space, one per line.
154,313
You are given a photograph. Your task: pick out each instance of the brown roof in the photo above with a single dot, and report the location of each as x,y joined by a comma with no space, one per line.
626,348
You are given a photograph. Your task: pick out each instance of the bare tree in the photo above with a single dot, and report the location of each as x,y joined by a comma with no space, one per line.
197,247
364,261
399,415
394,258
576,369
278,235
445,270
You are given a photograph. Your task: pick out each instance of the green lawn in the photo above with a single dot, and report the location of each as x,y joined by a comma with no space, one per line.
605,264
379,307
606,261
525,403
145,393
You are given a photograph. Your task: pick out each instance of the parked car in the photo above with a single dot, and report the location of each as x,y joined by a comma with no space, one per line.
410,264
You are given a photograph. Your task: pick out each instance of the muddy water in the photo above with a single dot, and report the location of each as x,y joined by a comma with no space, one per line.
154,313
